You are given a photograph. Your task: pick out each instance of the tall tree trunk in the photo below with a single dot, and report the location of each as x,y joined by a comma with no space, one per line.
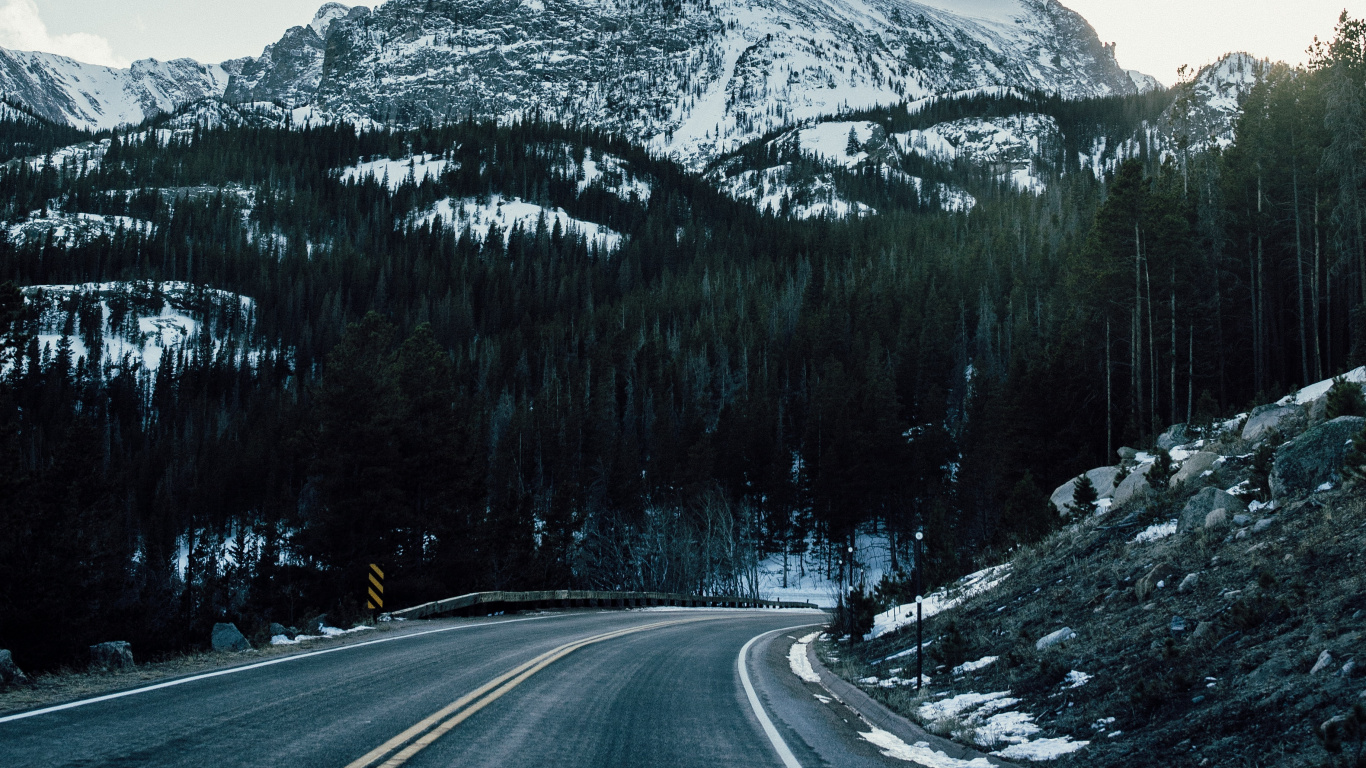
1136,340
1315,307
1173,360
1109,409
1190,379
1153,370
1299,263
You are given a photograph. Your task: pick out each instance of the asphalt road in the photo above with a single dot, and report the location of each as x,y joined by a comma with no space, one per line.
585,688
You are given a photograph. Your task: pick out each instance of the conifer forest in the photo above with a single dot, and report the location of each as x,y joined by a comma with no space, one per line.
538,408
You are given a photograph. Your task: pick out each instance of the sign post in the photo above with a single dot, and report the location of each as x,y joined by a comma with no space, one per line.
919,610
376,588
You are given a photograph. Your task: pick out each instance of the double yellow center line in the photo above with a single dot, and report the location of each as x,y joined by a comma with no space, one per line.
402,747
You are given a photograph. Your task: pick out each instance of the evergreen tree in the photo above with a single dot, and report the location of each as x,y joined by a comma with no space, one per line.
1084,496
1345,398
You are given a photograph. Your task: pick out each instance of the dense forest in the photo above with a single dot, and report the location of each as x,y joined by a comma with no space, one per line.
530,409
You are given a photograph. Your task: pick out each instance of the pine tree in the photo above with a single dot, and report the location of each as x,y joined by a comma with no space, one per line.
854,146
1084,496
1354,463
1345,398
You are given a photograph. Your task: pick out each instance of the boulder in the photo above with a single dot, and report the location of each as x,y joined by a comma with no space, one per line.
1053,638
1216,519
112,655
1262,525
1272,418
314,626
1195,466
1241,520
1103,478
1148,584
10,674
1204,631
1313,458
1126,453
275,630
1133,486
1325,661
226,637
1174,436
1191,581
1197,510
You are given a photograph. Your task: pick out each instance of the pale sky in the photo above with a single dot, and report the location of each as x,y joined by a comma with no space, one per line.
1155,36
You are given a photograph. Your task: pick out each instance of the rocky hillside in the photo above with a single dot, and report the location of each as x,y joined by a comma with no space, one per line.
694,79
1208,609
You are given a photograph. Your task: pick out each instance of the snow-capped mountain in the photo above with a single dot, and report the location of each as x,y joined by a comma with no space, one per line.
1207,108
90,96
693,78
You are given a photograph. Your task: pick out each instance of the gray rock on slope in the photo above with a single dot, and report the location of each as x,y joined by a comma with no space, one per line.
117,654
1133,486
1103,478
1193,468
1267,418
1314,458
1196,512
226,637
10,674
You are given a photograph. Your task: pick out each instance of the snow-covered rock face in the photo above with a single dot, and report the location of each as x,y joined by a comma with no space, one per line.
694,80
94,97
1011,146
1143,82
1207,109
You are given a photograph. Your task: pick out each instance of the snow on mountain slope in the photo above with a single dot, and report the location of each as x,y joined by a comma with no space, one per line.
694,81
1144,83
94,97
1207,108
67,229
479,218
138,322
1010,146
414,169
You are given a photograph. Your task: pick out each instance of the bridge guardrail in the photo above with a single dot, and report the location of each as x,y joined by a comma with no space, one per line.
569,598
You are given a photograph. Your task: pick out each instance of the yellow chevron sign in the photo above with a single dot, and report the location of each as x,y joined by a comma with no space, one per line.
376,588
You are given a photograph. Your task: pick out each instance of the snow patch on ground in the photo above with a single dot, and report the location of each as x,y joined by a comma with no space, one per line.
1155,532
977,718
973,666
469,214
326,633
67,229
1320,389
941,600
796,658
1012,145
413,169
919,753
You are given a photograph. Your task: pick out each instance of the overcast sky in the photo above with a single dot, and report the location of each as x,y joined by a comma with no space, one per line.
1155,36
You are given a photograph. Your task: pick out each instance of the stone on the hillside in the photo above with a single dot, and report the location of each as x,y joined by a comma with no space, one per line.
275,630
1216,518
1203,631
1103,478
1241,520
1053,638
1191,581
1325,661
113,655
1127,454
1313,458
226,637
1133,486
1195,466
1348,669
1174,436
1262,525
1268,418
314,626
1198,508
10,674
1145,586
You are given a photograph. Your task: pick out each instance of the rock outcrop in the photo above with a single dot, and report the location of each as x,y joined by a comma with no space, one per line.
1314,459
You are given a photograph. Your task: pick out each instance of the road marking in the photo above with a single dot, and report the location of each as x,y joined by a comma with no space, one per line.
258,665
433,727
780,746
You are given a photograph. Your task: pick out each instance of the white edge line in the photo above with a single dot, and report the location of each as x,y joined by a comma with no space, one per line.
780,746
258,665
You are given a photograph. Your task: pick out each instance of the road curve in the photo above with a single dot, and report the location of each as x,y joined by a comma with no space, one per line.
580,688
